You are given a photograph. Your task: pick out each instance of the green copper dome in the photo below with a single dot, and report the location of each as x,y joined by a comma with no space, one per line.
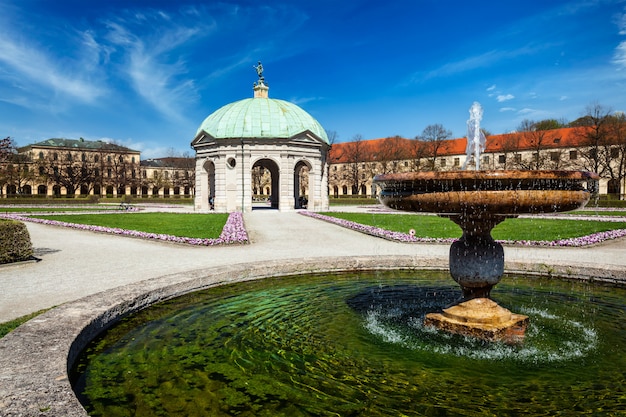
260,117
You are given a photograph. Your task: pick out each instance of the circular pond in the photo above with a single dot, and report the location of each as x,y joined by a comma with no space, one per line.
352,344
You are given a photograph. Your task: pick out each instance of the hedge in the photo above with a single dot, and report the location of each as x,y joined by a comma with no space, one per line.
15,244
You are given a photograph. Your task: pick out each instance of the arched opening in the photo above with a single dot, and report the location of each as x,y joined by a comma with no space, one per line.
613,188
265,176
42,189
209,167
27,190
301,184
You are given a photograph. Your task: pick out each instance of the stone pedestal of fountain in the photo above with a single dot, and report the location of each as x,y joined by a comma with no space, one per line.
477,201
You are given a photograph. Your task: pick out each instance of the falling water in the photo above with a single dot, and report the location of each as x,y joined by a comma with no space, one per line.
475,137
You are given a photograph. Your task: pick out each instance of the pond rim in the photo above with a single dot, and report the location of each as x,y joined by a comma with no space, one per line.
36,357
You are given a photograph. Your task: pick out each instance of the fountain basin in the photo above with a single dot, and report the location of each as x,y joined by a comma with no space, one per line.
477,201
506,192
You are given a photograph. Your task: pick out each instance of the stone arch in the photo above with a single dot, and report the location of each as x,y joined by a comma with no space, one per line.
302,177
272,168
208,178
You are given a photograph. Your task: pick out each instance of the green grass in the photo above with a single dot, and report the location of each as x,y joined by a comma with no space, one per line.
9,326
616,213
511,229
204,226
52,209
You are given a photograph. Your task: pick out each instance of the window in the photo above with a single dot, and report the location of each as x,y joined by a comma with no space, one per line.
457,162
518,158
167,174
55,156
335,168
96,172
69,156
144,174
614,152
121,159
109,173
406,164
133,159
555,156
108,158
83,157
502,159
486,160
96,158
134,174
573,155
442,162
40,155
41,171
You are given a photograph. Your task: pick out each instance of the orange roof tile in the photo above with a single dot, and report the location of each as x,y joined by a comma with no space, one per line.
568,137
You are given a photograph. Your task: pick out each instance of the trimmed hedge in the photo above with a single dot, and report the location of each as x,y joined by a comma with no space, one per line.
15,244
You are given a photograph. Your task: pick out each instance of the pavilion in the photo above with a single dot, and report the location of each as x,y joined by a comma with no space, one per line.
260,134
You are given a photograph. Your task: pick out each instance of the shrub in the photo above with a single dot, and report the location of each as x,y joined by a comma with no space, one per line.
15,244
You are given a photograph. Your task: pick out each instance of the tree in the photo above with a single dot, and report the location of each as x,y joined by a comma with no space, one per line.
435,142
355,154
615,152
594,138
537,140
549,124
390,151
69,169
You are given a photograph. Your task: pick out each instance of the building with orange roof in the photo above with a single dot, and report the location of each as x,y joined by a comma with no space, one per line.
353,165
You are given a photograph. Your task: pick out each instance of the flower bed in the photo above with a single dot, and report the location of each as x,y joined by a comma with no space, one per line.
234,231
591,239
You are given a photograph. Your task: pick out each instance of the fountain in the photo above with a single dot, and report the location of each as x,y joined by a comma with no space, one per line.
478,201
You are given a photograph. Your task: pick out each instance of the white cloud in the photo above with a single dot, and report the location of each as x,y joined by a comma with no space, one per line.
505,97
153,60
504,109
563,98
619,56
493,87
26,61
621,23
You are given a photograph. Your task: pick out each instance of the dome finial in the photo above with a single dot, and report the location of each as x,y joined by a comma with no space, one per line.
260,88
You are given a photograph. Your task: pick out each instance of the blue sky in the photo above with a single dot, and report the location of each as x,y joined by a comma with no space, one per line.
146,73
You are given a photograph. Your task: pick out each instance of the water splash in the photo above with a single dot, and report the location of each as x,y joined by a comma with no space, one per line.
475,137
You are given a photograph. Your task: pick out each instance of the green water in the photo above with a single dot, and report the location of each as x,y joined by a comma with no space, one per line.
352,345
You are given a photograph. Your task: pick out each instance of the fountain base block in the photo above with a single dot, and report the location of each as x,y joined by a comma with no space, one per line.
481,318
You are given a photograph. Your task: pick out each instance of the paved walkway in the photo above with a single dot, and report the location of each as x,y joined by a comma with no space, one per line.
76,263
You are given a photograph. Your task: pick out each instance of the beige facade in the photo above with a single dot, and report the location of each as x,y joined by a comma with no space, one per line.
68,167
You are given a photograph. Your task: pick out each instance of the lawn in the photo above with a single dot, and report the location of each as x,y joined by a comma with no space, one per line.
511,229
52,209
192,225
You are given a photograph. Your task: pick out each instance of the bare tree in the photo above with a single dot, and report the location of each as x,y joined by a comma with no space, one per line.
435,141
538,141
71,170
595,138
389,153
355,155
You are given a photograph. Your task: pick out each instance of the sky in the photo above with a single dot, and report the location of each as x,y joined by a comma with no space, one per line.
146,73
